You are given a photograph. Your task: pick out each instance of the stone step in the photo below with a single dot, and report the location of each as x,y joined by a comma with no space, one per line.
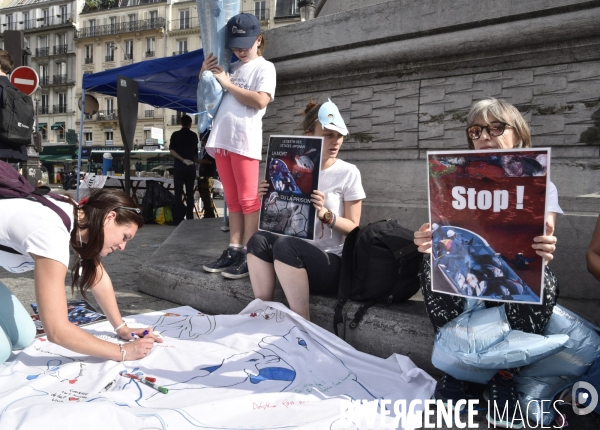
174,273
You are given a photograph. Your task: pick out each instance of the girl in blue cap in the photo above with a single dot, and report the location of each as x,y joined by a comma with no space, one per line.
301,265
235,140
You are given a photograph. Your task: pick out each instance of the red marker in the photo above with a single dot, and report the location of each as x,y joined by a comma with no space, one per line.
132,376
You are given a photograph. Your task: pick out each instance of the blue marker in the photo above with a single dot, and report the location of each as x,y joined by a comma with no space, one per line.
135,336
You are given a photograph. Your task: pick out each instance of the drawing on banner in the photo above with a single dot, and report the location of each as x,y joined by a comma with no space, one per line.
263,368
293,167
485,209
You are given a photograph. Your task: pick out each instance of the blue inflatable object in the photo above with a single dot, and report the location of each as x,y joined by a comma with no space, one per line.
213,16
477,343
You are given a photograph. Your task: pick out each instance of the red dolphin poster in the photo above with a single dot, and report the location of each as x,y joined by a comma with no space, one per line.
485,208
293,167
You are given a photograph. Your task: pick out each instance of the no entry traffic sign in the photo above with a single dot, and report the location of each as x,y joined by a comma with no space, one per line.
25,79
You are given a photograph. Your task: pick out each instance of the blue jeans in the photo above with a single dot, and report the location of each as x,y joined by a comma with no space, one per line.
17,329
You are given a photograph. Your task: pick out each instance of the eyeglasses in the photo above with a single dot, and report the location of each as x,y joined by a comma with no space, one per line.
494,129
136,210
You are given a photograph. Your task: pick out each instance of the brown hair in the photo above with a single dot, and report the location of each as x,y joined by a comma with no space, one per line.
311,114
95,209
262,45
6,62
502,111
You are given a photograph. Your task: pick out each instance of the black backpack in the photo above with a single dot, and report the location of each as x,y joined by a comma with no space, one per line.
15,185
380,263
16,116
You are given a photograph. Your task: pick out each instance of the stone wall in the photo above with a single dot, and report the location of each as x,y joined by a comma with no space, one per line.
404,75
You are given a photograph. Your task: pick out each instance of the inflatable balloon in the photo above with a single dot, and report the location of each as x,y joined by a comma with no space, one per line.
213,16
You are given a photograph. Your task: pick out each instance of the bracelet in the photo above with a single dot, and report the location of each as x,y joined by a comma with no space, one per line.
123,352
121,326
334,220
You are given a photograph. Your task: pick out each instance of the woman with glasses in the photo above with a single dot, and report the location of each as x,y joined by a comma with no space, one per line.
491,125
235,141
36,237
301,265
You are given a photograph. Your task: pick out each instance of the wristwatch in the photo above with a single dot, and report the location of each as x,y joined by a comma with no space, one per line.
327,217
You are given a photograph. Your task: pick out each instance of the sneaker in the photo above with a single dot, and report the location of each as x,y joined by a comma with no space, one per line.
504,410
239,268
451,390
223,262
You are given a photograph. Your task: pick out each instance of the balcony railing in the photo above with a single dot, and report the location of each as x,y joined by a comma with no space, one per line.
89,61
43,110
32,24
124,27
59,109
261,14
183,23
128,56
108,143
44,80
179,52
59,79
107,115
149,54
96,5
42,52
60,49
149,113
109,58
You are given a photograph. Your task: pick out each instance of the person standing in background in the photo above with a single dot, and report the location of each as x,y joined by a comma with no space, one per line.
207,171
184,148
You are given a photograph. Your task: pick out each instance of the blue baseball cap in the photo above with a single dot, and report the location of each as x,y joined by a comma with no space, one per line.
330,118
242,31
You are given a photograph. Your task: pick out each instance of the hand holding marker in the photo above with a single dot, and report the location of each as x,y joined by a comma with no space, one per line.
146,380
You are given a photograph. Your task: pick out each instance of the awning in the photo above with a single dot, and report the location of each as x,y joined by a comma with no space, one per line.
42,125
58,126
57,159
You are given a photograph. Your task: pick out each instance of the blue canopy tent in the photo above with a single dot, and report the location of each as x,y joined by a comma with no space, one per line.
169,82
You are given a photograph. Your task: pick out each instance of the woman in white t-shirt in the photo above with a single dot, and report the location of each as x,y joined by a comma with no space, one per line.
35,237
493,124
301,265
235,141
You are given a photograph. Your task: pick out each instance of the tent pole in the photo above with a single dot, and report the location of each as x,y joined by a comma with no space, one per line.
80,143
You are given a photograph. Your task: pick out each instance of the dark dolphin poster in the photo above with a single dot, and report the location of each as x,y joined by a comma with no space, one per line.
485,208
292,171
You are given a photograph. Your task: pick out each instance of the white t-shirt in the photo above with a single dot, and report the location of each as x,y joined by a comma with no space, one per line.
28,226
237,127
552,197
341,182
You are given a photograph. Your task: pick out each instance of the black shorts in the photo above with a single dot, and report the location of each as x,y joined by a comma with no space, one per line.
323,268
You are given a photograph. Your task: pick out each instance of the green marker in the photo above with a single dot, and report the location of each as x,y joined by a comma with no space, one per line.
156,387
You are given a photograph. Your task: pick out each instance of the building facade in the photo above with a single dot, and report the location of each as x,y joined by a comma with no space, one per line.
48,27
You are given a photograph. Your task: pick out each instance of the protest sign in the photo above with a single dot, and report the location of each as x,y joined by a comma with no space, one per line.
485,208
293,167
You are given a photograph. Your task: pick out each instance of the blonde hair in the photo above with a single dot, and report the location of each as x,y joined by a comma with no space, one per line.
262,45
502,111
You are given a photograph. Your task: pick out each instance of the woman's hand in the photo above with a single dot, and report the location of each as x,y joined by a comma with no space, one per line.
545,245
423,238
318,200
138,349
127,333
263,187
208,64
